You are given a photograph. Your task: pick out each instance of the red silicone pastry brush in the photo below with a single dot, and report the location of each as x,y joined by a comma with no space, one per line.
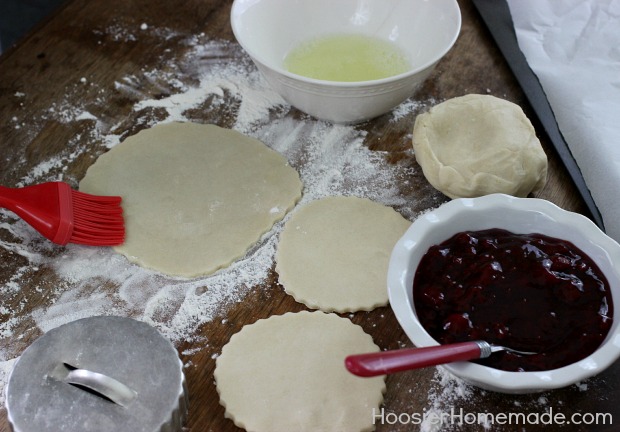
64,215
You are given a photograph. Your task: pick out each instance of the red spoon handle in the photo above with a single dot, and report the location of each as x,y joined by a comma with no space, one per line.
385,362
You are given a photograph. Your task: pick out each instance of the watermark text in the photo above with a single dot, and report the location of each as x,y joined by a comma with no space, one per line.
460,417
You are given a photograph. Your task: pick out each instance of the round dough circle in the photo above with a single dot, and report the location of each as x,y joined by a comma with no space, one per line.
286,373
195,197
333,253
476,145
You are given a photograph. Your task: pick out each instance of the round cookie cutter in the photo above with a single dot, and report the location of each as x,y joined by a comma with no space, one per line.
96,374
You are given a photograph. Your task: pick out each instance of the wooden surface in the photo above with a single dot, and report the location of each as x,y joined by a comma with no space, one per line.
76,43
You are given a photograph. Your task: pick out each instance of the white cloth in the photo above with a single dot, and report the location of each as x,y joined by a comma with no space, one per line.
573,46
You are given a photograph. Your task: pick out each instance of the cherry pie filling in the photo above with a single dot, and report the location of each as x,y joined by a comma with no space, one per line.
529,292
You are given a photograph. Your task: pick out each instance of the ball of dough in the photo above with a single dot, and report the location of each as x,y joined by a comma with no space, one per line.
476,145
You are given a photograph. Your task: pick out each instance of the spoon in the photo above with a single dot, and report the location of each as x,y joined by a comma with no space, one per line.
387,362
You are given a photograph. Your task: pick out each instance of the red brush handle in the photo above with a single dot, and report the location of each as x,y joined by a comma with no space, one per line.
386,362
47,207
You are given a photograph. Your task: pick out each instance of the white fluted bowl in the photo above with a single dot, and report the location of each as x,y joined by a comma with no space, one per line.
520,216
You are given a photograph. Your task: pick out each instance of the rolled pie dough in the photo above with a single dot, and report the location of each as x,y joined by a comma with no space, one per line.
195,197
476,145
333,253
287,373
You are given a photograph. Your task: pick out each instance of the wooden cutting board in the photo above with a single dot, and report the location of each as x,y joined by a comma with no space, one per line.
90,53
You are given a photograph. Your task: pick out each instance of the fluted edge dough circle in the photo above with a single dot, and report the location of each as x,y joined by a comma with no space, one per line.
286,373
196,197
476,145
333,253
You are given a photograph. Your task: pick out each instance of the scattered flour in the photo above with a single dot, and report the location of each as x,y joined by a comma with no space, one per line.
408,107
214,77
443,398
5,370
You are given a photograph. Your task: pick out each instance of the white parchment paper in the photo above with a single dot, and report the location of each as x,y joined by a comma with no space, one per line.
573,46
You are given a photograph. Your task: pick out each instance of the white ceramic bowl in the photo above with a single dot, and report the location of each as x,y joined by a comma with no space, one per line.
269,29
519,215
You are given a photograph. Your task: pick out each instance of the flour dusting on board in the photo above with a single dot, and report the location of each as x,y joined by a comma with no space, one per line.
449,392
214,77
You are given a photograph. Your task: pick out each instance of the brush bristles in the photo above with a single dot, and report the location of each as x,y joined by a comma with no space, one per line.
98,220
